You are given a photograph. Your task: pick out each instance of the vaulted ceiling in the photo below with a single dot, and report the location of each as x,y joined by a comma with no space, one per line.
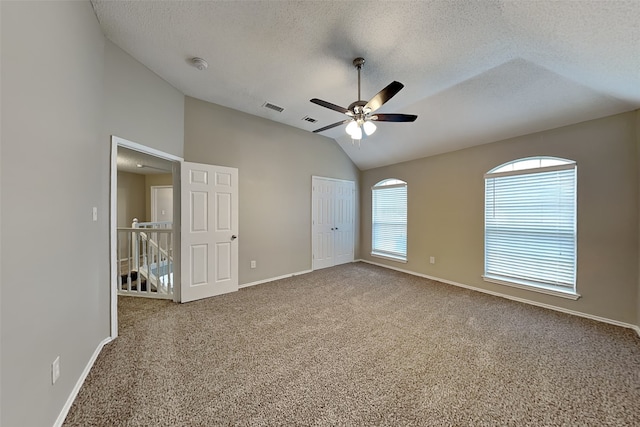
474,71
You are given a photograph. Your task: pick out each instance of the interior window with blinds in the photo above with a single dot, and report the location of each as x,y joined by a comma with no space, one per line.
530,225
389,219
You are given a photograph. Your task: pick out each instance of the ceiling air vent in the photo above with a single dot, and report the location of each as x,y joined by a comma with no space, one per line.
273,107
309,119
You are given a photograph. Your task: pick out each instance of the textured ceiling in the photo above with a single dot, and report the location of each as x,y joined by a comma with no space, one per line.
128,161
474,71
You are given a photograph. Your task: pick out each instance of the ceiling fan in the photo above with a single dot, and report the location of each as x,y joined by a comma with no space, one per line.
361,113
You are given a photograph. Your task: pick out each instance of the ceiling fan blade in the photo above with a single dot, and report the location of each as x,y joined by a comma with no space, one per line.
395,117
383,96
330,106
331,126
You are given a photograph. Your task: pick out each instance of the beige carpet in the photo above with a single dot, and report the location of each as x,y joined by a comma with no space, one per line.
360,345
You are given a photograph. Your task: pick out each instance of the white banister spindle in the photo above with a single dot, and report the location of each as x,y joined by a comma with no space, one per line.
119,262
129,243
169,264
135,249
149,262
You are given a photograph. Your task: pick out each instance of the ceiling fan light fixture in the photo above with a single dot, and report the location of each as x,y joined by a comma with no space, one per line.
360,112
369,128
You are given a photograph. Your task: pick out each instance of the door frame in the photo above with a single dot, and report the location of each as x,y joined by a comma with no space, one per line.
113,219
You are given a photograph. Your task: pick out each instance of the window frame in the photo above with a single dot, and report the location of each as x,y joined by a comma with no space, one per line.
542,286
389,183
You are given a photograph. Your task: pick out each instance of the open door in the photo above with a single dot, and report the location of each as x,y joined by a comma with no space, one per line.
209,231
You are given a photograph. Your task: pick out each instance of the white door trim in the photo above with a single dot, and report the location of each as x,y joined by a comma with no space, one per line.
331,179
113,216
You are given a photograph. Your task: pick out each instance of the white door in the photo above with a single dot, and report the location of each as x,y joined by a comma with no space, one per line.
343,221
333,220
162,203
322,223
209,245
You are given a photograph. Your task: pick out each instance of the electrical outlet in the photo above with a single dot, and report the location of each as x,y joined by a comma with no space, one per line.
55,370
432,260
253,264
94,213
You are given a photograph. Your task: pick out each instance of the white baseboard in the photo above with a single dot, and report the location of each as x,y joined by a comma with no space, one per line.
522,300
78,386
246,285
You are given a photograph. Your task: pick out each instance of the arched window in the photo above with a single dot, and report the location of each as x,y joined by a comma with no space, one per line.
389,219
530,225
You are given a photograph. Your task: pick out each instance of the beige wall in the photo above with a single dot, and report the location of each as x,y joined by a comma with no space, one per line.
445,212
131,198
134,195
275,163
130,204
139,105
52,91
151,181
65,90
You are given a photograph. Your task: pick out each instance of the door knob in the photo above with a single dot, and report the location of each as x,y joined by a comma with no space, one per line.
234,237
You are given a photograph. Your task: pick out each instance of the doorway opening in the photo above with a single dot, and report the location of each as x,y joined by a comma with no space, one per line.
145,248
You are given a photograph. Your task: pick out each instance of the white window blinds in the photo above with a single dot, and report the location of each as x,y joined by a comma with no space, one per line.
530,226
389,219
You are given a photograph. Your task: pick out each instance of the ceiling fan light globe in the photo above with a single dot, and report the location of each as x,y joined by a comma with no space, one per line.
357,133
369,128
351,127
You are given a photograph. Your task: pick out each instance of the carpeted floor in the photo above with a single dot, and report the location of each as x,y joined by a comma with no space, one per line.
359,345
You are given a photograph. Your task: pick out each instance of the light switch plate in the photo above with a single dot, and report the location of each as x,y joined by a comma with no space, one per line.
55,370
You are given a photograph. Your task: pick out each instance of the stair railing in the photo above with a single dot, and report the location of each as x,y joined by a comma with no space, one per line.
146,259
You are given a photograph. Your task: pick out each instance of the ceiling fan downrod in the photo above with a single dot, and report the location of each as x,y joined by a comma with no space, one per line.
358,63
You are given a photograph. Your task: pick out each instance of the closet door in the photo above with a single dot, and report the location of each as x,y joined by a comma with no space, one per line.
322,223
333,217
343,214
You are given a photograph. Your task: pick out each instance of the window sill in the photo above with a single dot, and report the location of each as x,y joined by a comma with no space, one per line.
389,257
535,288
